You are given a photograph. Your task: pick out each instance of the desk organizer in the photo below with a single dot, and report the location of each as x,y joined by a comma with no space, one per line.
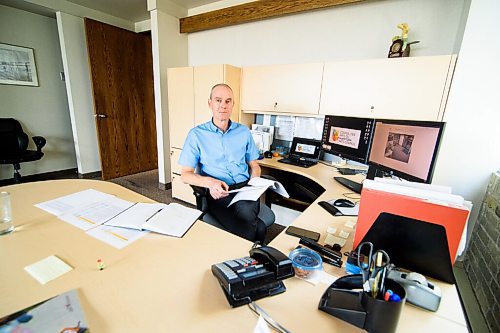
359,308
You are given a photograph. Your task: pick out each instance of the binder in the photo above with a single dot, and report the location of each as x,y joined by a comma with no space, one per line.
453,217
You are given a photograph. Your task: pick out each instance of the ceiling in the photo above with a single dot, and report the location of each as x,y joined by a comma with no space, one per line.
130,10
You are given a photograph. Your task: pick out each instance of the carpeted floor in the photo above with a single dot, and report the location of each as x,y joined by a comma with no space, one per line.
146,183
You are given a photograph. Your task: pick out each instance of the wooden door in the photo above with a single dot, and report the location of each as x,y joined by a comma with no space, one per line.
121,67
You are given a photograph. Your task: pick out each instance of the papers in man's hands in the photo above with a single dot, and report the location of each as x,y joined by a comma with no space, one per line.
255,187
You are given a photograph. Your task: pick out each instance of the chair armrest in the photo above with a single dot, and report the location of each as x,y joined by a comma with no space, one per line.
201,194
39,142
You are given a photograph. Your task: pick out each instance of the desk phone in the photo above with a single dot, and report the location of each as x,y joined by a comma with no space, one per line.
250,278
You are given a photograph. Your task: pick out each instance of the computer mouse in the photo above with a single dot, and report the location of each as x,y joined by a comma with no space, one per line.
343,203
268,154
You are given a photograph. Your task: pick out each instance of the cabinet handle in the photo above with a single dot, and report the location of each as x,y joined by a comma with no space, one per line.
275,105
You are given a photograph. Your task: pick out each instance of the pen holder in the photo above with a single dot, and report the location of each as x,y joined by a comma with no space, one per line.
360,308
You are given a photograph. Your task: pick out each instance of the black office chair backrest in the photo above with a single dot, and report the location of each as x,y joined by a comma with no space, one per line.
12,137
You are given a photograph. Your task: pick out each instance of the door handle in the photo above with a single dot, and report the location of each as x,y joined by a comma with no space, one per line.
100,116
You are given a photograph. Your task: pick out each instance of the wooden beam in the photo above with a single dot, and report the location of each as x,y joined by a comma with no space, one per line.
253,11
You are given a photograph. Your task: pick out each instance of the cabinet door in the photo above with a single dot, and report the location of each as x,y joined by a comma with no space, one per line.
349,88
281,88
398,88
415,88
205,77
180,104
174,157
182,191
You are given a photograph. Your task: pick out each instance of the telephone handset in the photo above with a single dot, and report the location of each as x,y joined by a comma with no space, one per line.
250,278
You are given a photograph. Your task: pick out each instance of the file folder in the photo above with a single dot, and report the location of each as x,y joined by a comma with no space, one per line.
375,202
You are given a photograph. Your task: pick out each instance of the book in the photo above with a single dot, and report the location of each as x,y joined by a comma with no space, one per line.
256,187
172,219
62,313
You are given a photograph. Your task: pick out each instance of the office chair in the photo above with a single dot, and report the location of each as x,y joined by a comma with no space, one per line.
14,146
266,215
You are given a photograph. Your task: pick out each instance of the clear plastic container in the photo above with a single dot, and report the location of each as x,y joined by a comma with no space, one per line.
305,262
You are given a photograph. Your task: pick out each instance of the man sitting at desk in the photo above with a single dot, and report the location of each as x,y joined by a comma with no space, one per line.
227,157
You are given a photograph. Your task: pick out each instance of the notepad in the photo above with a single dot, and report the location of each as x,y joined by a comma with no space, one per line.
48,269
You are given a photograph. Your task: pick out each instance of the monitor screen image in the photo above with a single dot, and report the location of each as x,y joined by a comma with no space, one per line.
407,149
303,147
347,137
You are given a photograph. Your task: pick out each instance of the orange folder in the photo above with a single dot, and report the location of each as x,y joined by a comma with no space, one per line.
373,202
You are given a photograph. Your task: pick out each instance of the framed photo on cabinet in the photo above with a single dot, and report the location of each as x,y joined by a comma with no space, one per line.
17,65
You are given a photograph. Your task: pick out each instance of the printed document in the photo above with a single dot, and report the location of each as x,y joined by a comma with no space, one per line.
173,219
256,187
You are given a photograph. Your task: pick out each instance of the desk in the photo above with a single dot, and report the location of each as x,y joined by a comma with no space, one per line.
162,283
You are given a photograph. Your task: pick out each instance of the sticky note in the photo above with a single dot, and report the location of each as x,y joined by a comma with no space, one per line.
350,224
343,234
331,230
48,269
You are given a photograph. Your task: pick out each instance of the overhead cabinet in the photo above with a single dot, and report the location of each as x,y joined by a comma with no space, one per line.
413,88
293,89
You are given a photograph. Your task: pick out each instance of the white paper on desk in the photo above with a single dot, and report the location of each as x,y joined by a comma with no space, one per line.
88,216
136,216
437,196
72,201
48,269
173,220
261,326
115,236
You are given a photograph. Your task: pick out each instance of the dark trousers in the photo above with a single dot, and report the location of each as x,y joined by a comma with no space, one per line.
241,218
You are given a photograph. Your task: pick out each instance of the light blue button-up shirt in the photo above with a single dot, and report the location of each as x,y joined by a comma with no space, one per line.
220,155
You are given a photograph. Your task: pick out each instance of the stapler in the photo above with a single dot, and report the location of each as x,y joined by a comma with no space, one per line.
419,291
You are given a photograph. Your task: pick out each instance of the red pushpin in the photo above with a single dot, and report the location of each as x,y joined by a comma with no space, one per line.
100,264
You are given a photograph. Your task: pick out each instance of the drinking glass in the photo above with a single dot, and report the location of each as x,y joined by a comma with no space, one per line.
6,225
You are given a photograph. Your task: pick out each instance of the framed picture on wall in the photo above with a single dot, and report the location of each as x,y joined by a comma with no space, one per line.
17,65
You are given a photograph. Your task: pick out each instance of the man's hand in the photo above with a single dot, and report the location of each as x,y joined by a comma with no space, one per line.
218,189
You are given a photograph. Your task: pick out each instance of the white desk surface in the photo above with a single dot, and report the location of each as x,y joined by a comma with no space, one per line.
164,284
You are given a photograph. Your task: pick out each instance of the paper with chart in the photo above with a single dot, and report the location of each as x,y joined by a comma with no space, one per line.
256,187
96,213
73,201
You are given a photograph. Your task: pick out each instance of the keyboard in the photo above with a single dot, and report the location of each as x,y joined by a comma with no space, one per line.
298,162
350,184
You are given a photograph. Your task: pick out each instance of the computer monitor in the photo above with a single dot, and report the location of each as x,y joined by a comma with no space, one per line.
305,148
404,148
347,137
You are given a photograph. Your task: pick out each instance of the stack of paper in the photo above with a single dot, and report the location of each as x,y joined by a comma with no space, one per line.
118,222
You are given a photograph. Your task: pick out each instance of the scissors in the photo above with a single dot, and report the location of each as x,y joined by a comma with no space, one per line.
377,262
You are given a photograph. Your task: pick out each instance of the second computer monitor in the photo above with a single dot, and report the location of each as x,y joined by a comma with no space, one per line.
404,148
347,137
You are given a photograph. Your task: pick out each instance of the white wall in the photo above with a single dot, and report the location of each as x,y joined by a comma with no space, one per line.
470,150
75,61
169,50
349,32
41,110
